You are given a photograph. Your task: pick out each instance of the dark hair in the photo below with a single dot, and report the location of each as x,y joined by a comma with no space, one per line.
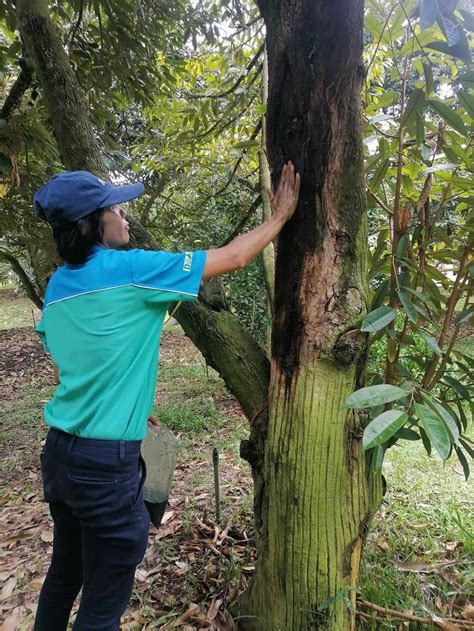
74,240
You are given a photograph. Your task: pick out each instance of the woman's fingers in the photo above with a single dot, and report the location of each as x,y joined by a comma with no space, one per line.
296,189
287,191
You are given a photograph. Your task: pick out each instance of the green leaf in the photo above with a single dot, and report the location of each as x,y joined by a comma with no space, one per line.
245,144
421,297
402,246
374,395
428,13
399,367
380,294
464,462
435,292
383,427
450,116
415,105
465,315
440,167
387,98
376,320
433,272
467,447
425,440
407,434
435,429
457,387
408,306
378,458
379,175
445,416
415,43
467,101
449,421
420,129
428,78
432,343
467,78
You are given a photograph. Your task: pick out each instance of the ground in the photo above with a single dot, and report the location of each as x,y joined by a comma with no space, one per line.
418,558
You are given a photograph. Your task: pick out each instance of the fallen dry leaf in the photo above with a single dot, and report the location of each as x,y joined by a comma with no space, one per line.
468,612
13,621
47,536
445,624
36,583
214,608
8,588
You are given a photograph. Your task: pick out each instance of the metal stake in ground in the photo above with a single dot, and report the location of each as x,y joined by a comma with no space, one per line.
215,462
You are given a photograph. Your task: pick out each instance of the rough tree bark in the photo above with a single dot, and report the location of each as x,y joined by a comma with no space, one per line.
65,101
317,490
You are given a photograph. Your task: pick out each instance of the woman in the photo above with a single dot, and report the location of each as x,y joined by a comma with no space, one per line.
101,323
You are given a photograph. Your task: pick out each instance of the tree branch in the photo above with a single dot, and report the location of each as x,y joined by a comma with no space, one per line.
23,276
21,85
241,78
395,222
243,222
76,26
403,615
452,300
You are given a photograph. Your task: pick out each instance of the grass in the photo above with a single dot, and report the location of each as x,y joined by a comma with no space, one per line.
18,312
426,519
22,428
194,416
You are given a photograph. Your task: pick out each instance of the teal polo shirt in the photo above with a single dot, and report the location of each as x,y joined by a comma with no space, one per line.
101,323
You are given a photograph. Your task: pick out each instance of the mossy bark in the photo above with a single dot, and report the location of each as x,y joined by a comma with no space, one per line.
65,100
317,491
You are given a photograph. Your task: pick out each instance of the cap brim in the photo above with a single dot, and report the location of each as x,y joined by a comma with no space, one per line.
121,194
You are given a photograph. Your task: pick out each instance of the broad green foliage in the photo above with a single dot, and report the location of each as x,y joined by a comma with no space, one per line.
420,159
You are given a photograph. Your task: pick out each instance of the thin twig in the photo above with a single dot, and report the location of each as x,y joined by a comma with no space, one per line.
440,372
76,26
241,78
452,300
242,223
393,613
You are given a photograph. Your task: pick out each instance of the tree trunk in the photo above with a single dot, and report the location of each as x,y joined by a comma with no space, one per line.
318,492
65,100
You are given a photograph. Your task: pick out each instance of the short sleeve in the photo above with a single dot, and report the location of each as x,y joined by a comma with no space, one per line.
165,276
42,335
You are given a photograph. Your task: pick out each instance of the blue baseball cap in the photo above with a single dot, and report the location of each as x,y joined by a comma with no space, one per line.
69,196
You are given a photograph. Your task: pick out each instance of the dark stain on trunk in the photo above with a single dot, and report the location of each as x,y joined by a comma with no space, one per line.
311,89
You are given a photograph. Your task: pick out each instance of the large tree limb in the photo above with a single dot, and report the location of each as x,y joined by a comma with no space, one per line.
66,102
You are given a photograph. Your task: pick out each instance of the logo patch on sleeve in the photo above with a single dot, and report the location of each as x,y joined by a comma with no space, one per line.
188,259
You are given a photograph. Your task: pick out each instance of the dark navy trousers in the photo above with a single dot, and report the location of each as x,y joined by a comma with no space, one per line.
95,494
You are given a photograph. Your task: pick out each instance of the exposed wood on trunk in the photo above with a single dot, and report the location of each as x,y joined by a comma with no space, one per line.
318,492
